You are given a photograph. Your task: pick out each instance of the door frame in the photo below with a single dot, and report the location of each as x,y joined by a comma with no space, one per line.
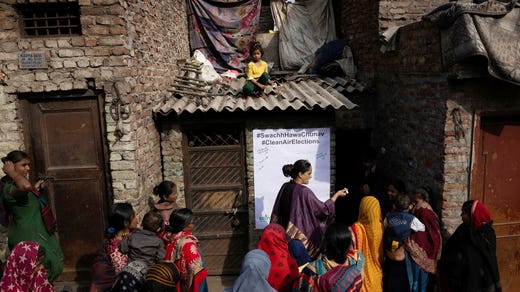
24,99
476,181
81,274
220,126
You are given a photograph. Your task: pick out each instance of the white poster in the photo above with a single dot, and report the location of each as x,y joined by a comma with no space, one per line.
273,148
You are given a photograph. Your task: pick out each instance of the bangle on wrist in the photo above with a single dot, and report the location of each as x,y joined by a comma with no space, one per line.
15,176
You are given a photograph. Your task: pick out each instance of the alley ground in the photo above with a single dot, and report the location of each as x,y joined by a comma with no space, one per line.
215,283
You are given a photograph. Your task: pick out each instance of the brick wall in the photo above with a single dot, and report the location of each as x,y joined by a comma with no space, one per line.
133,44
411,110
158,31
414,104
171,145
360,27
362,22
472,98
399,13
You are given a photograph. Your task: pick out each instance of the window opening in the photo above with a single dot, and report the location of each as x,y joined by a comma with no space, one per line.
50,19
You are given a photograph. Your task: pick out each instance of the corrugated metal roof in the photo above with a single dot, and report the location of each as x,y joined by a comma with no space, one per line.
298,93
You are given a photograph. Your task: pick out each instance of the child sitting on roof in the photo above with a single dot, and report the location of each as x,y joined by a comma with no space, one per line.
257,72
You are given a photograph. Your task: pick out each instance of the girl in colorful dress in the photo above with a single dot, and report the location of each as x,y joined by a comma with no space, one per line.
184,251
257,71
24,206
110,260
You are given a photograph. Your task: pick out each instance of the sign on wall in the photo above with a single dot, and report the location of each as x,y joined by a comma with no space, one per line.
272,149
32,60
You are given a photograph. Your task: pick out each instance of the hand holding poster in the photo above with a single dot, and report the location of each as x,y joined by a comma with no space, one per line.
274,148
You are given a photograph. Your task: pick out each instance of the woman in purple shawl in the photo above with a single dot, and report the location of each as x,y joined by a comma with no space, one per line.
298,209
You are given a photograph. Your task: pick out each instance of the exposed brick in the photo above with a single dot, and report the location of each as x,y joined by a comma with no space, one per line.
120,51
63,53
51,43
83,63
41,76
69,64
9,47
90,41
66,85
97,51
78,41
111,41
96,30
6,24
117,29
64,43
104,2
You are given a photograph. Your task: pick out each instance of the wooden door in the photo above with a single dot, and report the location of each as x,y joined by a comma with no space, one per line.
215,191
65,140
496,181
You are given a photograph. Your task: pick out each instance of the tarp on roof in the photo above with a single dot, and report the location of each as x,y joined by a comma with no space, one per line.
304,26
305,93
489,30
223,30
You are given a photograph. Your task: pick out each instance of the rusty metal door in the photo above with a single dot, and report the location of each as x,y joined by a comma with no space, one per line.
214,168
65,140
496,181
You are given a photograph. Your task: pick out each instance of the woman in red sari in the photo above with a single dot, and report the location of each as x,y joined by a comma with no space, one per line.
184,251
283,275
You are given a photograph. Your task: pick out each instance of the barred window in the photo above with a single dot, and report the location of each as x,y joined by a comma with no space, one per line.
50,19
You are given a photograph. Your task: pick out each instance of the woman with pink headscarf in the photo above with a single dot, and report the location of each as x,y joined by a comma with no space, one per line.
469,261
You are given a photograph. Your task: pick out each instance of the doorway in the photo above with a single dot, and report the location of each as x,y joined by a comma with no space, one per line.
214,173
495,181
65,140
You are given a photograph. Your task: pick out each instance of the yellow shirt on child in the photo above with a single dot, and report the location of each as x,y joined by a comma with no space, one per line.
254,71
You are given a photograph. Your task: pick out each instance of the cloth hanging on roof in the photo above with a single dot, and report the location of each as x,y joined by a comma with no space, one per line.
223,30
303,27
487,30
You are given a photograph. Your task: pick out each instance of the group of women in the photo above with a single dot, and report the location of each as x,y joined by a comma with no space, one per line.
468,262
303,249
182,269
36,259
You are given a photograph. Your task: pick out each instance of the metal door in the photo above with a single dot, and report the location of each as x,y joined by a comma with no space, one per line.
65,140
215,191
496,181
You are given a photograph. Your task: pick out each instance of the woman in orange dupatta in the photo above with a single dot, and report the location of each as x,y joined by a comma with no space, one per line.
367,237
183,250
